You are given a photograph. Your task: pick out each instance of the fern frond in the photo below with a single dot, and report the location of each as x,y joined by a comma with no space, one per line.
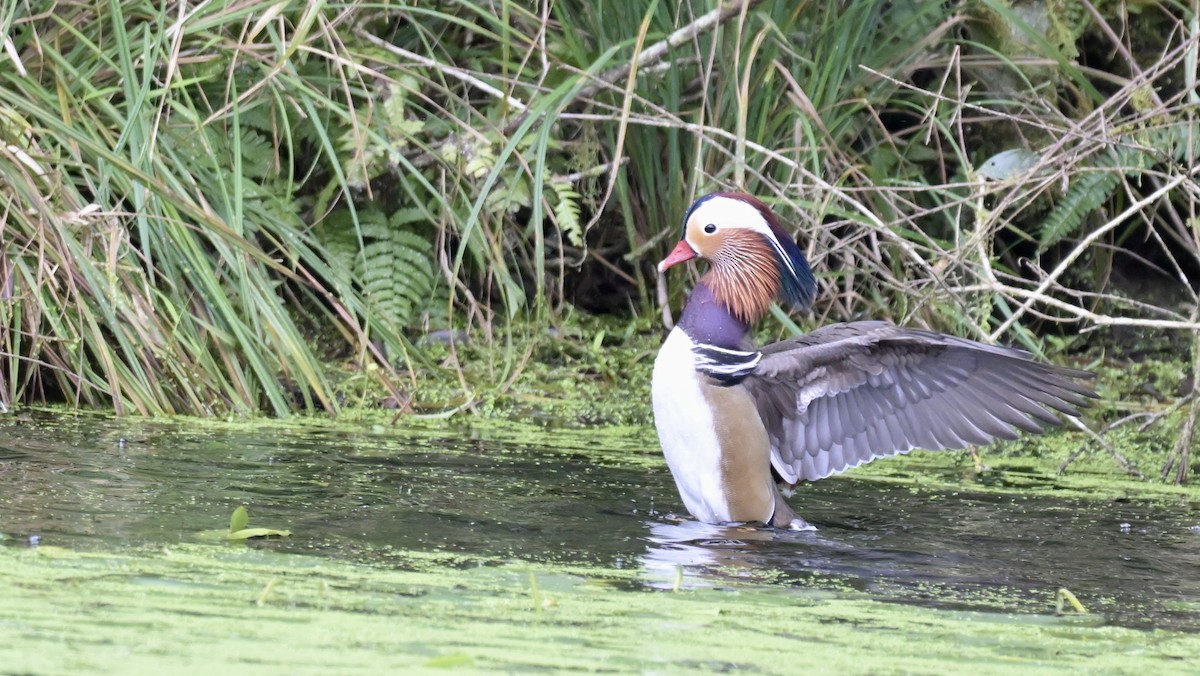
396,270
1092,188
567,212
1087,192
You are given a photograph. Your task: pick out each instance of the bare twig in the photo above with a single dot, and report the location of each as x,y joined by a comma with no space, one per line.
1116,455
658,51
1093,236
451,71
649,56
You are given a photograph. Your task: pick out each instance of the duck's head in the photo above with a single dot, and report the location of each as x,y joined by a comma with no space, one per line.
753,260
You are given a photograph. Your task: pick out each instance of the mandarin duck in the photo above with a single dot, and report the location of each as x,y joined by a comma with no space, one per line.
737,422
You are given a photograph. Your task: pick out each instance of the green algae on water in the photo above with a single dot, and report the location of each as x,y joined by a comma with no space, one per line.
212,609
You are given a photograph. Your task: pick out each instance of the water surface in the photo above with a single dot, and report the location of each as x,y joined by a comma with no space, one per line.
599,497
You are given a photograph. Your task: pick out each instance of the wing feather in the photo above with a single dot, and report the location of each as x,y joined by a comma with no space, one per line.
849,393
1016,408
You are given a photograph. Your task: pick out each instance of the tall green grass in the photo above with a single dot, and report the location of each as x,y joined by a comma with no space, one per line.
205,206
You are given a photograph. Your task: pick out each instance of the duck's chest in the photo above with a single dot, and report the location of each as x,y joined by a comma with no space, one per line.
712,437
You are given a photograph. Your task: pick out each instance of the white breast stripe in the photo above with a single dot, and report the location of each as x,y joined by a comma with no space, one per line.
725,365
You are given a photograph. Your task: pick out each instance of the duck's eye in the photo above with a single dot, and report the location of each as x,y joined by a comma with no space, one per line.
710,229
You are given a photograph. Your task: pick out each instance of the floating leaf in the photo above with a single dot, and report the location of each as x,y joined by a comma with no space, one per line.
247,533
239,520
238,530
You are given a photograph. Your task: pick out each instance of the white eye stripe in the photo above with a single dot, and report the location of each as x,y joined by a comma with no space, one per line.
734,213
730,213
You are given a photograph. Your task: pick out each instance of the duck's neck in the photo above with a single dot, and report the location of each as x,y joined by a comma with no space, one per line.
709,321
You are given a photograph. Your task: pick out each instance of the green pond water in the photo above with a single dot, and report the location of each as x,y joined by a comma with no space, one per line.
476,545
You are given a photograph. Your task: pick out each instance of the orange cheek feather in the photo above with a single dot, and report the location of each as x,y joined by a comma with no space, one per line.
743,275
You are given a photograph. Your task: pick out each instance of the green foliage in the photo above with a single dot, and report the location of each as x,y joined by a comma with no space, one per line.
567,212
155,251
1095,182
201,211
386,261
1088,192
239,530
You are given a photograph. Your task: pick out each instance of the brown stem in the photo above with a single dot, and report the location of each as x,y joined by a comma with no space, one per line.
1178,458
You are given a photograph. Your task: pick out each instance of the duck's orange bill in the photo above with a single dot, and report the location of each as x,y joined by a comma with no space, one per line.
682,252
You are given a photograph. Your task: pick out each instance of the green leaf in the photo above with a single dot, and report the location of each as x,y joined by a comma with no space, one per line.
247,533
239,531
566,212
239,520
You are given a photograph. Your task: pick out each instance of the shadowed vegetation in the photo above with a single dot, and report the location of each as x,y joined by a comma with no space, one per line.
205,207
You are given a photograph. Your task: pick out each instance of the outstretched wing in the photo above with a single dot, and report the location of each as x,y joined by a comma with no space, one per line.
847,394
